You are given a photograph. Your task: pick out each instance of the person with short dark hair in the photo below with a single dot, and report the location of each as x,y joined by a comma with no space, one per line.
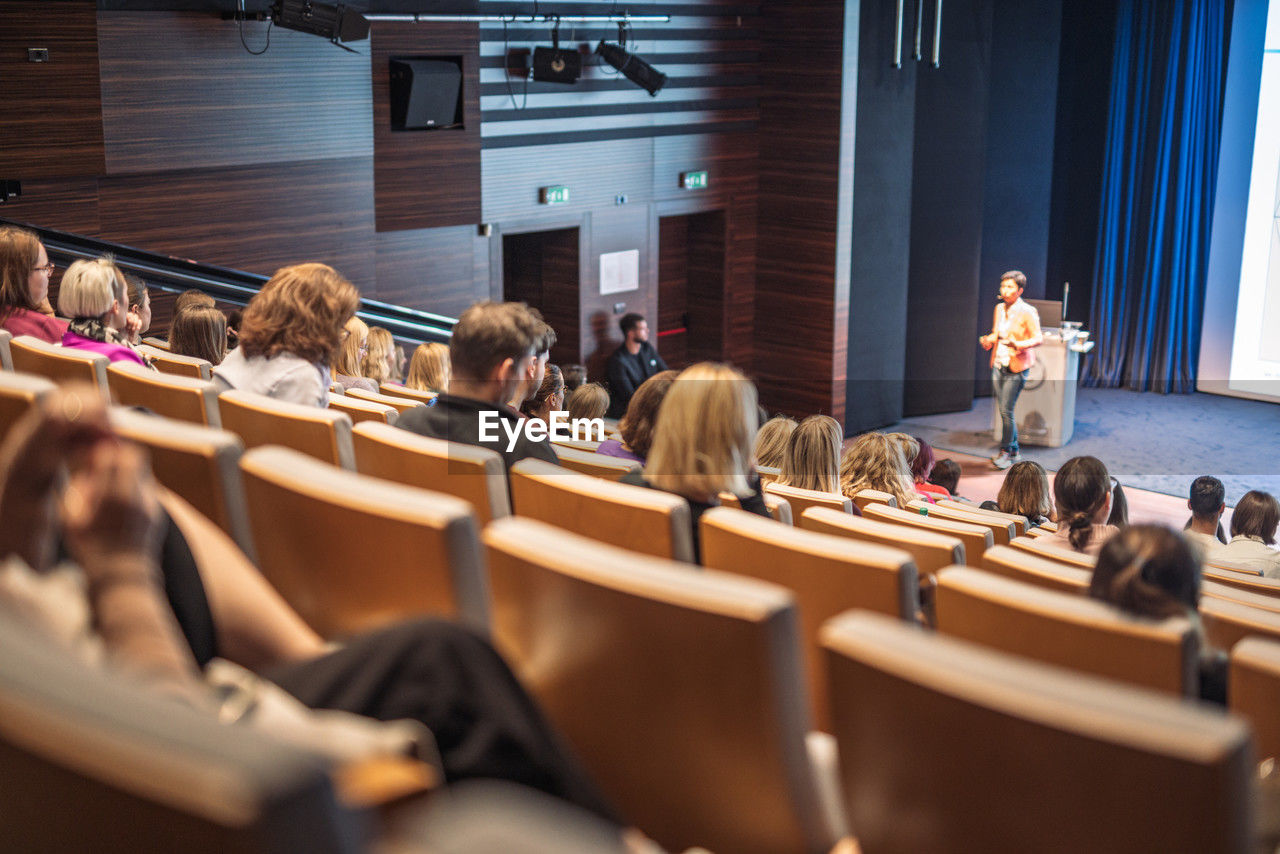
139,317
946,473
632,363
574,376
1014,335
1253,534
1207,503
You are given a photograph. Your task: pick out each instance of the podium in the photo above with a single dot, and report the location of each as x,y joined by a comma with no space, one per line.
1046,409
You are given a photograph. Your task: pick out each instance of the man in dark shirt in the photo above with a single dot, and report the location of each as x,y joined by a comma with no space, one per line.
631,364
490,355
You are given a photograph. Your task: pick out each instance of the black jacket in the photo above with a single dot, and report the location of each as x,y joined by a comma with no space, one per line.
627,372
457,419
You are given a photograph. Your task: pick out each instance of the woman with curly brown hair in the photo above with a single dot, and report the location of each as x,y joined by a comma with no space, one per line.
289,334
637,424
876,461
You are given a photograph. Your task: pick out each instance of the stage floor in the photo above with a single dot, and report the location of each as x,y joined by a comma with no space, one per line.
1148,441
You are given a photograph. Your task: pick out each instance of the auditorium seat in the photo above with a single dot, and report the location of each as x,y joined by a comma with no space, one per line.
930,550
863,497
353,553
950,748
768,474
643,520
1067,630
60,364
779,508
1243,580
976,538
1020,565
596,465
184,398
681,691
1054,549
827,574
258,420
201,464
405,391
1019,522
1002,530
173,363
1253,691
1228,621
575,444
476,475
19,393
158,343
1239,594
360,411
6,361
400,404
802,499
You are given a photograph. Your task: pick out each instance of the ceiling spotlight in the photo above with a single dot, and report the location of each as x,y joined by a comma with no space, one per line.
633,67
335,23
554,65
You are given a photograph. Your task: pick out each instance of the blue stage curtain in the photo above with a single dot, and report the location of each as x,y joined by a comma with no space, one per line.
1157,194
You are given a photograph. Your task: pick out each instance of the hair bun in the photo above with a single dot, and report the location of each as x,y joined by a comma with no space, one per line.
1079,520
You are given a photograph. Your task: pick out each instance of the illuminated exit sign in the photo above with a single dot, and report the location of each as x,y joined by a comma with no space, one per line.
694,180
553,195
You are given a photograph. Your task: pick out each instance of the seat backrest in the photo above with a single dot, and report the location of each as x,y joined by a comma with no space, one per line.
352,553
60,364
587,445
1237,594
951,748
930,550
1019,522
596,465
156,342
405,391
863,497
1229,621
259,420
680,690
1253,691
976,538
360,411
6,361
643,520
779,508
18,394
1068,630
201,464
476,475
1029,568
827,574
1243,580
141,772
1002,530
175,363
170,395
768,474
802,499
1052,548
1228,566
400,403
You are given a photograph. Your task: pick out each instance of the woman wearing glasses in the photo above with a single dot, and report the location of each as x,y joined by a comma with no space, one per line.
1082,491
24,287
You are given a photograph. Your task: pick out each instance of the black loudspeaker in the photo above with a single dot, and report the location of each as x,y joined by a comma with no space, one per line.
426,94
556,65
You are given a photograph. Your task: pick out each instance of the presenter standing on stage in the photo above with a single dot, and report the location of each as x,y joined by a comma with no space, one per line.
1015,333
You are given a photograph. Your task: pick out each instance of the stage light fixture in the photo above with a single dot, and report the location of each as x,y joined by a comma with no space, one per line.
556,65
335,23
635,69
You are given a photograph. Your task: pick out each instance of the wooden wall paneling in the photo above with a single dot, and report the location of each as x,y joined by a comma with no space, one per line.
669,333
69,204
561,286
705,254
432,269
426,179
53,110
250,218
595,173
179,90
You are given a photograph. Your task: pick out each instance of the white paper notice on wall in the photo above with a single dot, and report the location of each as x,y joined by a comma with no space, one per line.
620,271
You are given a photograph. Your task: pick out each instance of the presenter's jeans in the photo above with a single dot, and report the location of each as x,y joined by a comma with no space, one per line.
1007,385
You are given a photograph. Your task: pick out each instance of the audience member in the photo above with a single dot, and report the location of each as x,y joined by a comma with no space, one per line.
589,401
377,364
876,461
399,362
93,295
702,442
289,333
638,424
429,369
771,441
139,298
574,376
233,328
192,297
1207,503
493,346
538,367
1082,492
812,460
1119,507
1025,492
24,286
347,359
1150,571
200,332
921,467
548,398
632,363
946,473
1253,534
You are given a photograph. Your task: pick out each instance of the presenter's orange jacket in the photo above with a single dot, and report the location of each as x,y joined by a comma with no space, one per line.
1024,327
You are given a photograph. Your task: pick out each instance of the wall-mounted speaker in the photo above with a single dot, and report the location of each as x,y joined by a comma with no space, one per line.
426,93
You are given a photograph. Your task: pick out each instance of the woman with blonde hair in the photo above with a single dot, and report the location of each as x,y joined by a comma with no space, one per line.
588,401
812,459
875,461
429,370
377,364
201,332
289,333
702,442
771,441
346,360
93,295
24,286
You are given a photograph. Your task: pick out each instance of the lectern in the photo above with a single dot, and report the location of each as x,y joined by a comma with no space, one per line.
1046,409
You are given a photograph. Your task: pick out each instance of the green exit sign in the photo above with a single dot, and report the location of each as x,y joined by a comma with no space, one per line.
694,180
553,195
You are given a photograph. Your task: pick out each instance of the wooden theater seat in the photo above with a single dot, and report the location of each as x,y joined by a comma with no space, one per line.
360,411
60,364
1020,565
976,538
404,391
596,465
950,748
1253,691
643,520
779,508
6,360
18,394
399,403
802,499
476,475
174,363
184,398
1054,549
827,574
768,474
156,342
201,464
863,497
931,551
1019,522
1229,621
352,553
1068,630
1002,530
259,420
1243,580
681,691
